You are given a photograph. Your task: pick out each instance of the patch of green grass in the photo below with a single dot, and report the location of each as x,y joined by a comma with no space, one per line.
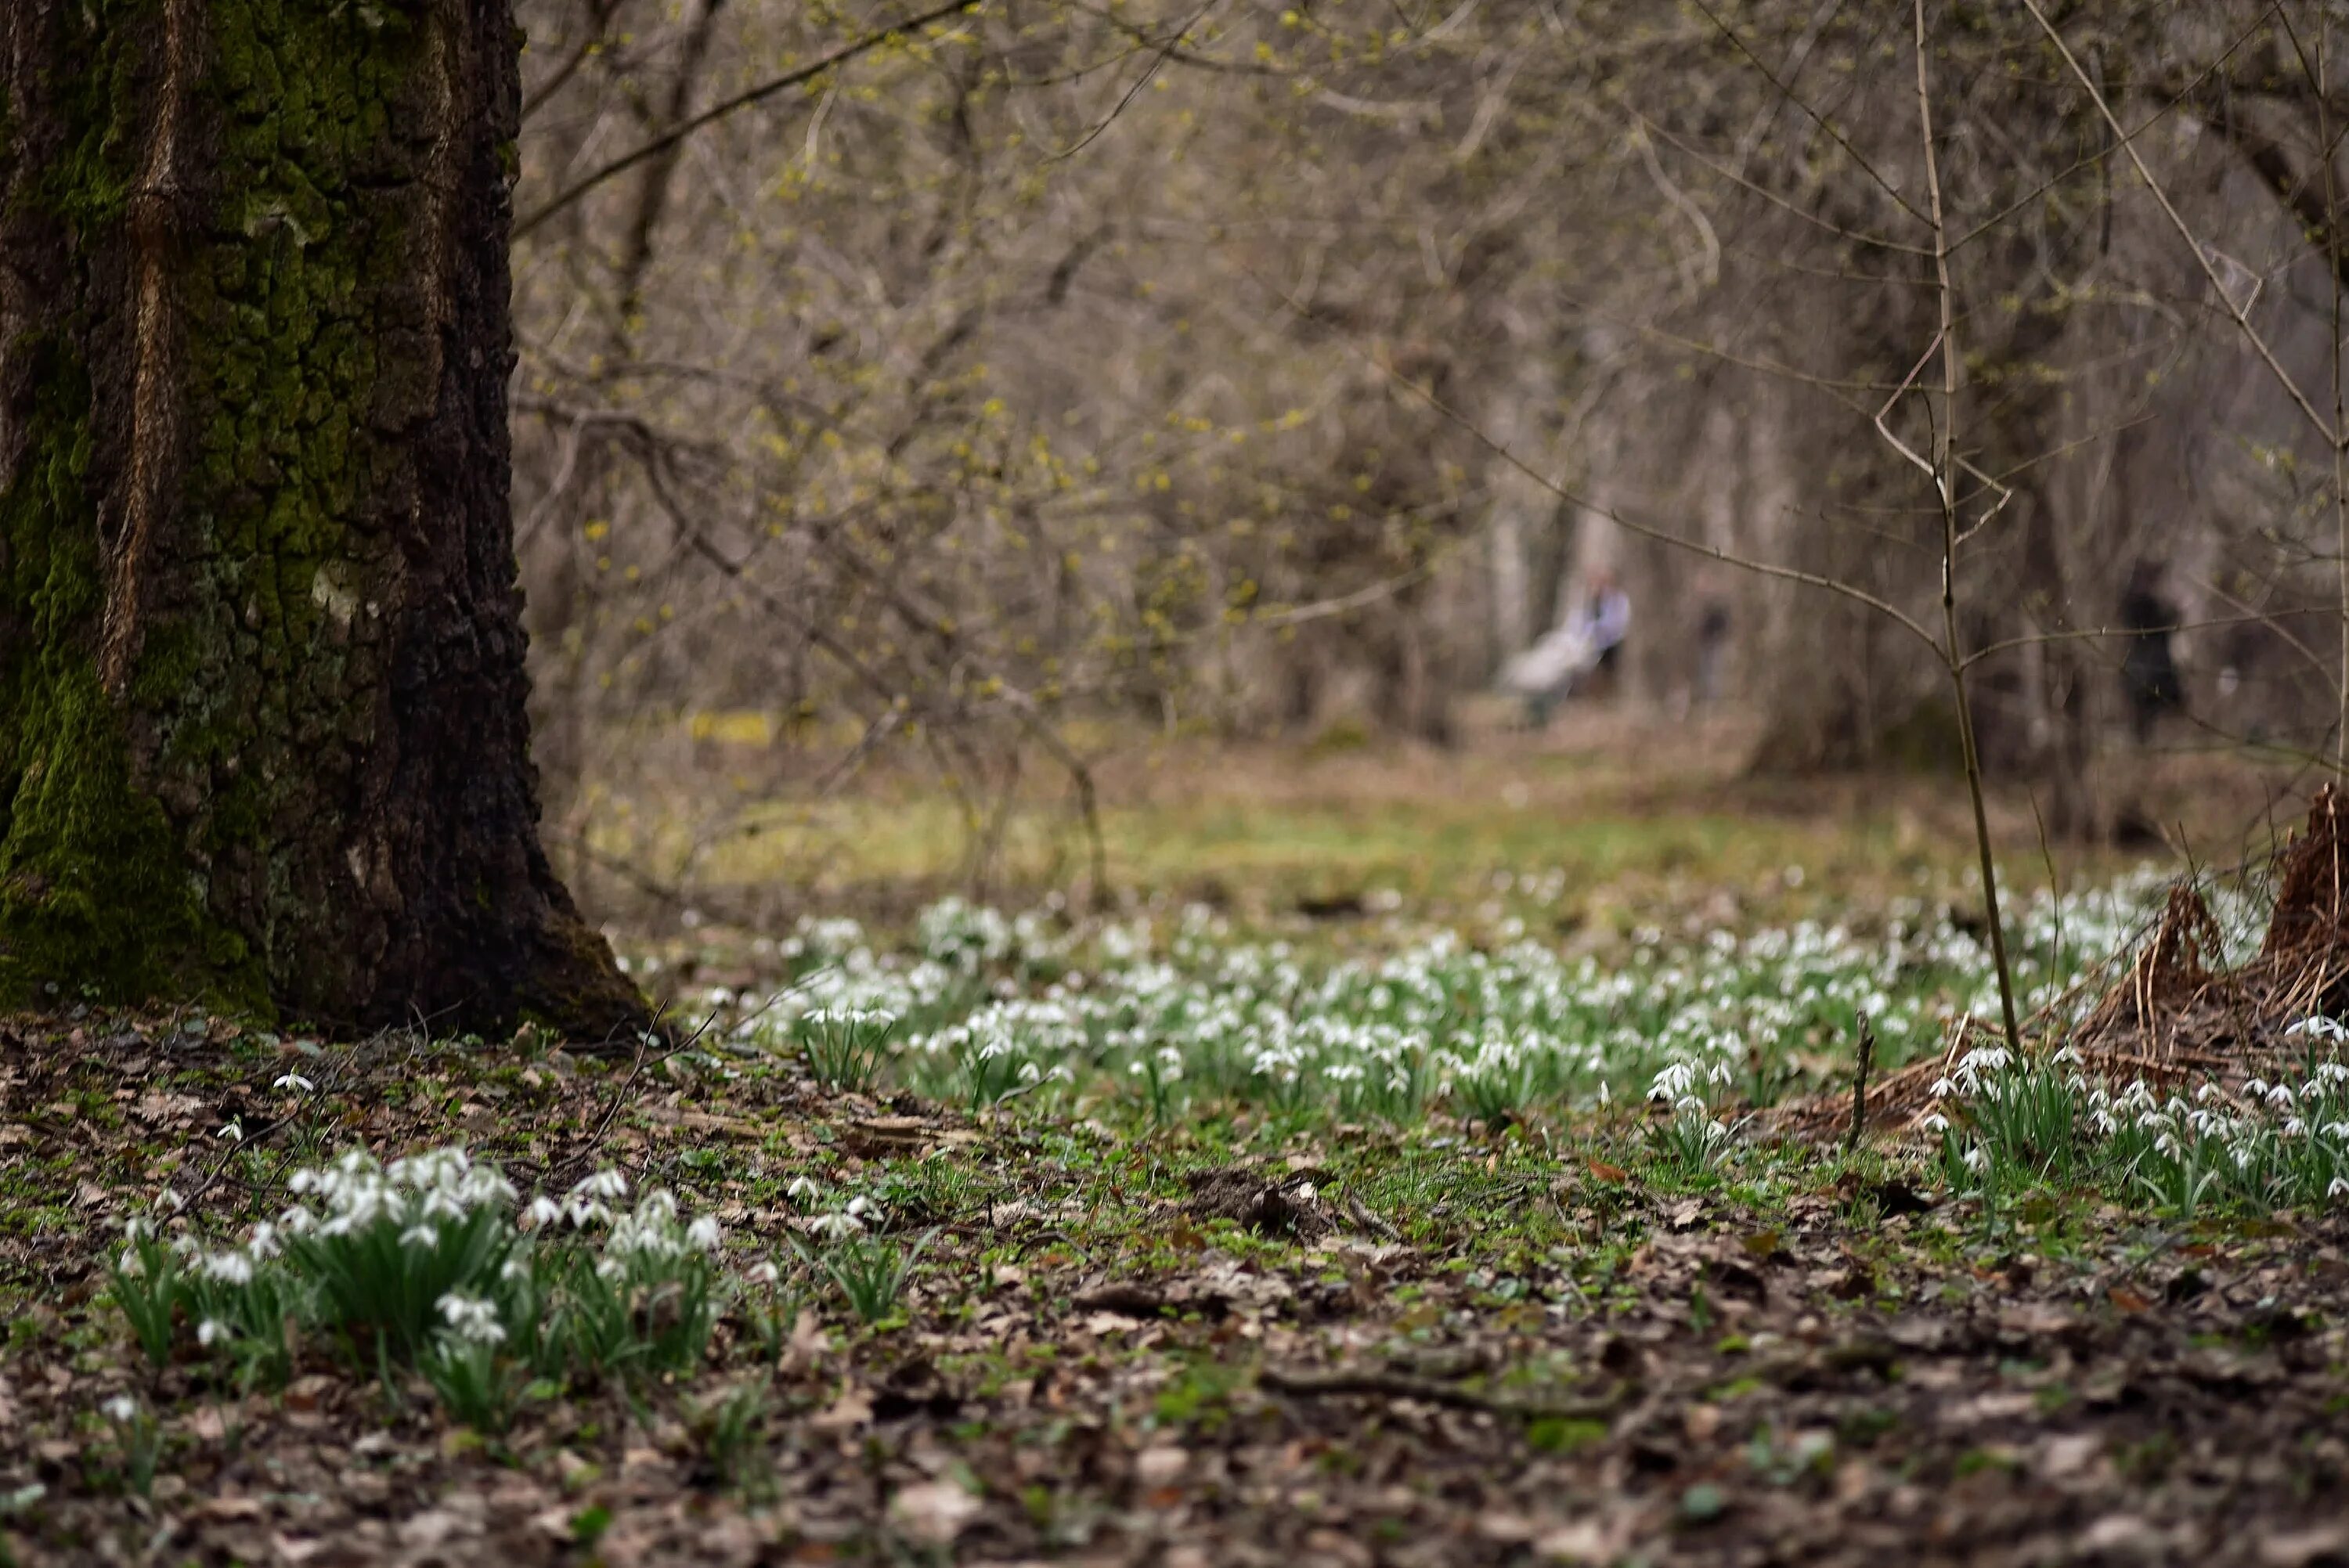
1199,1395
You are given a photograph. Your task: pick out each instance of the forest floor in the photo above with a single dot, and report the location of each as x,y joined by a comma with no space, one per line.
1344,1346
1144,1298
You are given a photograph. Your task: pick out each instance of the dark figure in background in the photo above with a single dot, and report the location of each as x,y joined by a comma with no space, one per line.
2149,667
1712,642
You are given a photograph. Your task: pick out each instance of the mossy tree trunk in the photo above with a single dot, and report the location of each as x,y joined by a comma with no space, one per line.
262,683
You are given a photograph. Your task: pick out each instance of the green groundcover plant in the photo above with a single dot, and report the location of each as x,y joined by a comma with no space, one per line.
2006,1126
431,1265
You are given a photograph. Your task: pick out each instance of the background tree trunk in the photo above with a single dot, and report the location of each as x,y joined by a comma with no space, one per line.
262,729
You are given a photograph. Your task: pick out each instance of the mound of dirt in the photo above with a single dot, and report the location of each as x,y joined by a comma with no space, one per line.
1287,1204
2311,912
2176,1011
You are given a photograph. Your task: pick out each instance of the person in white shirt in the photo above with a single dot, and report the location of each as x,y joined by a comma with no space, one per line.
1588,642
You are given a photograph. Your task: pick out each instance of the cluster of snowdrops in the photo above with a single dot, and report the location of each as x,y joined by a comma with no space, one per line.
1176,1013
2263,1145
432,1265
989,1008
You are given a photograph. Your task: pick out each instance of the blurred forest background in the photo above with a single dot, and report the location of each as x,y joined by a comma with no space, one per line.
1049,381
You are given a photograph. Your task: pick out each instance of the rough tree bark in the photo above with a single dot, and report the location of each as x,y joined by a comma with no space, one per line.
261,730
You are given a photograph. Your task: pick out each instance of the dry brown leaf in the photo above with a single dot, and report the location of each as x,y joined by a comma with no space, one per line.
853,1409
933,1511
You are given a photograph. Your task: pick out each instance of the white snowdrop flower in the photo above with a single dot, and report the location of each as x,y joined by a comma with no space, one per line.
262,1243
602,1184
1673,1081
514,1269
234,1268
1936,1122
838,1225
419,1236
231,1129
129,1264
2295,1128
1942,1089
471,1318
2338,1187
294,1081
297,1221
802,1189
703,1234
544,1210
211,1331
763,1274
1984,1059
2204,1093
122,1408
1977,1159
483,1186
2280,1098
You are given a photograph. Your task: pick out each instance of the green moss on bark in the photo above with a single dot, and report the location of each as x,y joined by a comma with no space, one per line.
262,733
250,668
94,891
95,894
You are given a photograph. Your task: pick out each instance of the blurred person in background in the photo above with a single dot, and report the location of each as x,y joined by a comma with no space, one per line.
1606,619
2149,667
1582,652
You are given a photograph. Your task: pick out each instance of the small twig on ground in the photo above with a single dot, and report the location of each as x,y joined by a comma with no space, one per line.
586,1151
1361,1214
1434,1391
1859,1087
332,1074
